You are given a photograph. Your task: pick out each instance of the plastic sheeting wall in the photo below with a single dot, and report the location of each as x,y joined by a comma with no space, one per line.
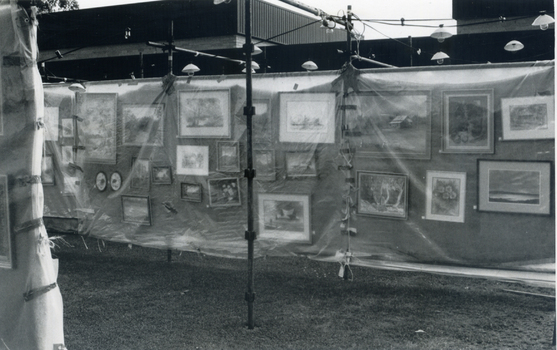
345,162
30,301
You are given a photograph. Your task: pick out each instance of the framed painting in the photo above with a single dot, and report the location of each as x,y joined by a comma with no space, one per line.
204,114
228,156
191,192
6,245
136,210
98,129
445,196
307,117
300,164
192,160
47,171
383,194
468,121
262,126
161,175
264,163
66,154
390,124
514,186
142,125
224,192
101,181
67,127
140,174
284,218
528,118
51,123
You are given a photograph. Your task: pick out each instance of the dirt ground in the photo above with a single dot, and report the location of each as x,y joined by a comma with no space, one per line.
117,297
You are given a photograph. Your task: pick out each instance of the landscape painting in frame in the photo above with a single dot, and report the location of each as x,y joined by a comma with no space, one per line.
307,117
514,186
204,113
264,162
6,248
383,194
301,164
228,156
284,218
445,196
51,120
142,125
161,175
224,192
140,175
528,118
262,127
192,160
136,210
98,128
191,192
468,121
389,124
67,127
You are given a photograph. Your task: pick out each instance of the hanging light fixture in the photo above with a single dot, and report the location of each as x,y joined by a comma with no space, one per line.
218,2
543,21
309,66
77,87
441,34
439,57
190,69
513,46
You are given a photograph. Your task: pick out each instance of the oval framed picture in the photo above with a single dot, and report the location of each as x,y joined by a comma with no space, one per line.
115,181
100,181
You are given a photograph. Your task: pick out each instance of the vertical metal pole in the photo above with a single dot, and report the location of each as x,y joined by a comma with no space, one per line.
250,173
141,71
349,34
411,51
170,45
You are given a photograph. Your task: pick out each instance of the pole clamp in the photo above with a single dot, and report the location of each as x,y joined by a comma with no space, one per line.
251,235
249,173
249,110
250,297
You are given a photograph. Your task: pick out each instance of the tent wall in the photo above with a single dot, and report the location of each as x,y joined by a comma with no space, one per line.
30,301
390,130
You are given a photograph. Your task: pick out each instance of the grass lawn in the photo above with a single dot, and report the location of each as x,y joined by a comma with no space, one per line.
121,298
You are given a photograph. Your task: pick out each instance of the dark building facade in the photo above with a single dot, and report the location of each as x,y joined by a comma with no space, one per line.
95,46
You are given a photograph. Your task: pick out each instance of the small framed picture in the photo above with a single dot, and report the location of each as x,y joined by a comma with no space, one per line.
66,154
47,171
228,156
307,117
514,186
191,192
528,118
264,163
224,192
161,175
284,217
7,248
261,122
445,196
115,181
204,113
136,210
300,164
140,174
468,121
383,194
143,125
51,120
67,128
192,160
101,182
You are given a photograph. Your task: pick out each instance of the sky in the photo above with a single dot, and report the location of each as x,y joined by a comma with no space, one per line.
438,10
